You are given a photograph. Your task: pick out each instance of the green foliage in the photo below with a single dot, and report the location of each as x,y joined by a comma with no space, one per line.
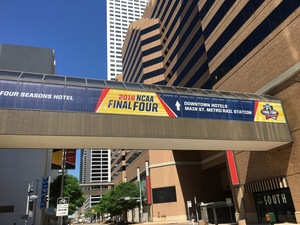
109,202
71,190
88,213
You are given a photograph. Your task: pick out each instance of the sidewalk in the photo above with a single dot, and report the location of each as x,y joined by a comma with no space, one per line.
166,222
153,223
185,223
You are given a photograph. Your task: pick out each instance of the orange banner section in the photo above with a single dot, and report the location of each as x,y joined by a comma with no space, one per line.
132,103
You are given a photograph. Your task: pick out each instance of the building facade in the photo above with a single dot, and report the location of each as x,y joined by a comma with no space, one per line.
241,46
119,15
21,167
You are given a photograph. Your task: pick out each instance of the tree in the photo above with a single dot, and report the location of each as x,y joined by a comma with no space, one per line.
113,203
71,190
88,213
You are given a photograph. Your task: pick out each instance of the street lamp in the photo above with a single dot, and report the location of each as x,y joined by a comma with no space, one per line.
33,197
140,189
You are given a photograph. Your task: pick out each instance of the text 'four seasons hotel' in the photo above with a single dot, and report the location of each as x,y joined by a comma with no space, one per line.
237,46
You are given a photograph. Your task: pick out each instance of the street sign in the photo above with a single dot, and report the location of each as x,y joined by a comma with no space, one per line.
62,207
44,192
189,204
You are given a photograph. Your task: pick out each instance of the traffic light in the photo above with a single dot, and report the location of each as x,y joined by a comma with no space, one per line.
120,199
30,189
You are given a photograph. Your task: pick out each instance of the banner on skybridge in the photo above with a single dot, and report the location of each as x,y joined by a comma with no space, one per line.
43,96
127,102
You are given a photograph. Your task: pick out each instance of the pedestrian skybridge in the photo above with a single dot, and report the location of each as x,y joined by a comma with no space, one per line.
49,111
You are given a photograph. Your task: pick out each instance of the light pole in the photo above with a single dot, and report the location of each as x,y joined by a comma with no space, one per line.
37,189
29,203
140,189
60,220
29,190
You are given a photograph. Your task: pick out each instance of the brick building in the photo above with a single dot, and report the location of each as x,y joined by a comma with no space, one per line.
242,46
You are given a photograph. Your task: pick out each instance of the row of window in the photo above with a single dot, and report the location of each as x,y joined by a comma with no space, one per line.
272,21
219,15
119,24
145,64
117,33
119,20
98,167
117,9
99,159
116,70
131,56
95,173
232,28
129,160
113,47
134,40
115,56
135,44
99,174
100,178
262,31
129,2
192,6
196,22
115,43
131,18
123,7
193,46
99,163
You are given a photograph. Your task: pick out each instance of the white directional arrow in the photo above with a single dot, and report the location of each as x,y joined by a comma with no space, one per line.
177,104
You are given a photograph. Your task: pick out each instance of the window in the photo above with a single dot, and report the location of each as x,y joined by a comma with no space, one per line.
163,195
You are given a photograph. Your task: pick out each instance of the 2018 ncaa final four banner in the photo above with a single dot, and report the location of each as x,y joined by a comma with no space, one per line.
42,96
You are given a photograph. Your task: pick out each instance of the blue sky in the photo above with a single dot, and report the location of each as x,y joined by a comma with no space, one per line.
75,29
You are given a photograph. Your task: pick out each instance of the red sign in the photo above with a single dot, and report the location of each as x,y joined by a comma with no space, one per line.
232,168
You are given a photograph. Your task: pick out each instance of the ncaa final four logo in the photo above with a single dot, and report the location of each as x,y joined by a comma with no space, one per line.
269,112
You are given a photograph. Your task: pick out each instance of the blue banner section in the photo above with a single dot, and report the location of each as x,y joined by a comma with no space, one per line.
25,95
42,96
210,107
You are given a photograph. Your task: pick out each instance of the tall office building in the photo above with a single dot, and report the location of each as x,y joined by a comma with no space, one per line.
120,13
95,169
242,46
